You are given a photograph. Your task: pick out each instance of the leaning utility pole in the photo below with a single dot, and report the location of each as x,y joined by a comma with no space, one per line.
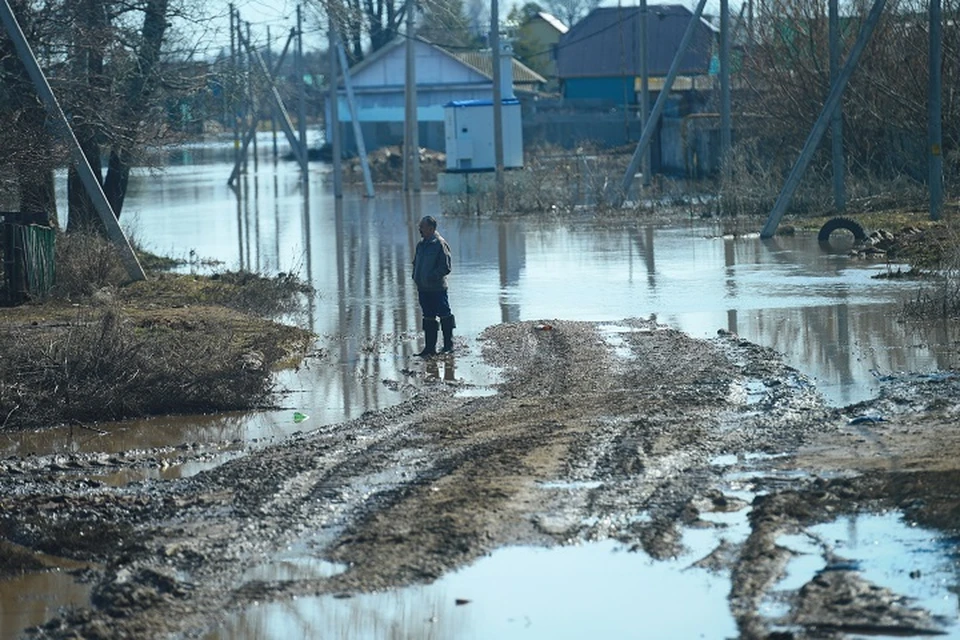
90,180
823,121
934,107
650,125
354,115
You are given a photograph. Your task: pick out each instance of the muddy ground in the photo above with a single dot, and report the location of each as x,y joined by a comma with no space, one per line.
633,412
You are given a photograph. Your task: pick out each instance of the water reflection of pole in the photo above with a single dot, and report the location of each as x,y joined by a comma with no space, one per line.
730,262
246,220
236,192
256,221
732,321
346,380
276,223
502,263
308,252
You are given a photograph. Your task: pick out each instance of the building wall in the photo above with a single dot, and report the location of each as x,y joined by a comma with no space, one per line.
601,89
433,67
545,38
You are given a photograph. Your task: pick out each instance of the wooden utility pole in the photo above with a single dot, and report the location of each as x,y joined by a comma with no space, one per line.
334,111
836,121
645,164
302,94
658,106
934,104
233,86
252,102
273,113
91,182
497,102
823,121
726,128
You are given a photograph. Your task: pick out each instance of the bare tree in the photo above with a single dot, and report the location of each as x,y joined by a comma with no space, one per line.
884,106
570,11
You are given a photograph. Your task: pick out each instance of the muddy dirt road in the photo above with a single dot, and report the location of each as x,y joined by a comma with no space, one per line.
632,413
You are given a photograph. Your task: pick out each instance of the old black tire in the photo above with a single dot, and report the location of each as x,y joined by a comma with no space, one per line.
835,224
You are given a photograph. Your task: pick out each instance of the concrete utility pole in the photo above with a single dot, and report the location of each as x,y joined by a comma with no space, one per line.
252,98
302,94
836,121
334,110
497,103
273,116
285,122
233,86
645,162
658,106
411,138
823,121
934,106
252,129
91,182
726,134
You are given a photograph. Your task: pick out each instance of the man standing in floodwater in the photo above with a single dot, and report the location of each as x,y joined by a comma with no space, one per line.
431,264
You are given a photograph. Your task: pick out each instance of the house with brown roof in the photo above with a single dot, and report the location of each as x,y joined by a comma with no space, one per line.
442,75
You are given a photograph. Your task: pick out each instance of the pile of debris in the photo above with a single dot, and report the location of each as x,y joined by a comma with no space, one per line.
386,165
886,244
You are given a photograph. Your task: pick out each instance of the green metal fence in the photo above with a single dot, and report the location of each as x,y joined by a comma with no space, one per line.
28,260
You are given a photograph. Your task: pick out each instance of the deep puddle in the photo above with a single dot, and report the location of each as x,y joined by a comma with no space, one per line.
886,550
592,591
34,598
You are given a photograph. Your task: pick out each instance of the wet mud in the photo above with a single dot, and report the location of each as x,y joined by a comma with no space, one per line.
629,432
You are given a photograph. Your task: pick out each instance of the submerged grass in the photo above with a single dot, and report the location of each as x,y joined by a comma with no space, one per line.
101,350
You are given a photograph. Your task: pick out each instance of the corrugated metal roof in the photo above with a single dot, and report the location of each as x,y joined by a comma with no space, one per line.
605,43
482,62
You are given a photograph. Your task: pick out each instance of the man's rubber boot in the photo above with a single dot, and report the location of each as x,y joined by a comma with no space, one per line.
430,328
449,323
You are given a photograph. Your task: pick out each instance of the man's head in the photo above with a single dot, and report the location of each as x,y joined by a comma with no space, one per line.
428,226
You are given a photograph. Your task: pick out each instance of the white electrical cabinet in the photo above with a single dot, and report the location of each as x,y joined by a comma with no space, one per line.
468,128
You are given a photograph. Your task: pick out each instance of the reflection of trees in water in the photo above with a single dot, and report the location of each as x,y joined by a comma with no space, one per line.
844,344
415,612
133,434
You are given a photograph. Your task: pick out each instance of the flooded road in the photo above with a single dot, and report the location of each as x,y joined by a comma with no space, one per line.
826,313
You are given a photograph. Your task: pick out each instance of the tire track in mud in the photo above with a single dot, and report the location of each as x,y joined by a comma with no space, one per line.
406,494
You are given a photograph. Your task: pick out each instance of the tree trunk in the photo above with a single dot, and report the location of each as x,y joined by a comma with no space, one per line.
118,172
88,51
31,150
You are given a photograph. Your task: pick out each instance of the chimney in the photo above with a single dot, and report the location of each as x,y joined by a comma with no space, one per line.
506,71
